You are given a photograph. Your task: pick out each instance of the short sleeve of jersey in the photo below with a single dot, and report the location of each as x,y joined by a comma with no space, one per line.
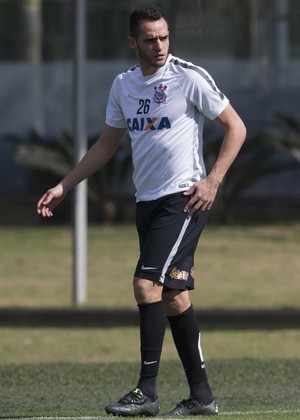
199,88
114,114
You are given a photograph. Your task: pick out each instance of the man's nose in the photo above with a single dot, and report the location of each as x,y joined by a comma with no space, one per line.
158,45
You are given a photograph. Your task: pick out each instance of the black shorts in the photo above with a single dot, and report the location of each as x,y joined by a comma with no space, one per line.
168,240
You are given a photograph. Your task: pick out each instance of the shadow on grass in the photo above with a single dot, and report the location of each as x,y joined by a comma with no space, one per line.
210,319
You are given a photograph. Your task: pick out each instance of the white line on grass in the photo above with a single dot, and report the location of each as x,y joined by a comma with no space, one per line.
222,413
59,418
258,412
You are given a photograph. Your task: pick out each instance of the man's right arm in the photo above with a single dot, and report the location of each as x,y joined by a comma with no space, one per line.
95,158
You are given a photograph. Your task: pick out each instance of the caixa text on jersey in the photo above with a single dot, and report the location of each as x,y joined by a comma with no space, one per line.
147,123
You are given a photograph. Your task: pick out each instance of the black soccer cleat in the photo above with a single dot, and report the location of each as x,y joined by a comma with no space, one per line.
135,403
192,407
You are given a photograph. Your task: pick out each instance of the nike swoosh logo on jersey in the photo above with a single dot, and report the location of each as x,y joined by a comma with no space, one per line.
148,268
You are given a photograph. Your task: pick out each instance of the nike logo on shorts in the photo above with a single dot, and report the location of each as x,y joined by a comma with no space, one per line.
148,268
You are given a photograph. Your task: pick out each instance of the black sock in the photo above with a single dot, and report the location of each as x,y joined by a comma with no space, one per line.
152,331
186,335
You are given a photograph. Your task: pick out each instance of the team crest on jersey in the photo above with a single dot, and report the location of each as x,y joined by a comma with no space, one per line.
160,96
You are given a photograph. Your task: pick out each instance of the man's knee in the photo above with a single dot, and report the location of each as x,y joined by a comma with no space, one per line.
146,291
176,302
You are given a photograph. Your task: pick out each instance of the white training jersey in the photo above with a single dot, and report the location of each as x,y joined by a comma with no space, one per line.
164,114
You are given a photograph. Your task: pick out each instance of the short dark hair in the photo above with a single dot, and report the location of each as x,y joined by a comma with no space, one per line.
145,12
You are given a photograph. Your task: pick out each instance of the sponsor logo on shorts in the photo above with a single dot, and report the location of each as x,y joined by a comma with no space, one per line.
179,275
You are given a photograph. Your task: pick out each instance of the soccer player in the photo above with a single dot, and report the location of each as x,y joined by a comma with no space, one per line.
163,101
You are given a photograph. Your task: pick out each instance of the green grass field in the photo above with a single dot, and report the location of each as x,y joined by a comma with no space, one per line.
268,388
61,373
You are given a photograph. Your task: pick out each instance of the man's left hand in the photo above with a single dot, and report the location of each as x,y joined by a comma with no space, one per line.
203,194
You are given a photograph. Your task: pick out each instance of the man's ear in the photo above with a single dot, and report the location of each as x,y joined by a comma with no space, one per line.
132,42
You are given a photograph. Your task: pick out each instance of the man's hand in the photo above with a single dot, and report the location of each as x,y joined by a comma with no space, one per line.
203,194
50,200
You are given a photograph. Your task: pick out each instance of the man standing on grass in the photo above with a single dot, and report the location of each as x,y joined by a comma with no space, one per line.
163,101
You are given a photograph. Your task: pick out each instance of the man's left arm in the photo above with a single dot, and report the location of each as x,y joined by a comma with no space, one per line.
203,192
